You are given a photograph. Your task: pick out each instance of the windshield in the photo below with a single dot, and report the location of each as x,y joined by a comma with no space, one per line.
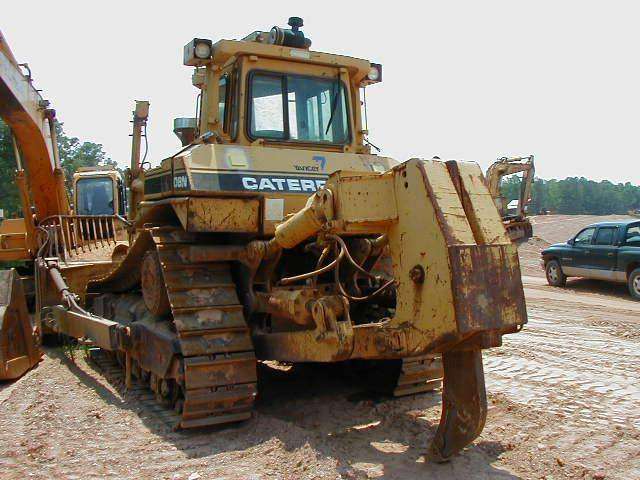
222,100
94,196
297,108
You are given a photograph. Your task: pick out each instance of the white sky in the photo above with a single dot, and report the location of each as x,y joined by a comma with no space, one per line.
469,80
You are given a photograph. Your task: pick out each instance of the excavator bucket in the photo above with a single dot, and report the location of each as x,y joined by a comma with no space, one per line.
19,344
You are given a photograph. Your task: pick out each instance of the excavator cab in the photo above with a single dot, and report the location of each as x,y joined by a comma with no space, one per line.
99,191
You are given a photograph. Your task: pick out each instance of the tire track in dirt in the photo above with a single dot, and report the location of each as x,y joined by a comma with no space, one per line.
560,366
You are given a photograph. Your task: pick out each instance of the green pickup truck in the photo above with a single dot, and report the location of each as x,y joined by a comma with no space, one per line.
604,251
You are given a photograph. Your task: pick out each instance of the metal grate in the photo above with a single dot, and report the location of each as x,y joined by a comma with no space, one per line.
72,237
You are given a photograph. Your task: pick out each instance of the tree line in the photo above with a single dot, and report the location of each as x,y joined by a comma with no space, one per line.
577,196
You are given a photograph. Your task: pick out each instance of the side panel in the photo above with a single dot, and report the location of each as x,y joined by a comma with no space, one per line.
223,215
285,174
13,240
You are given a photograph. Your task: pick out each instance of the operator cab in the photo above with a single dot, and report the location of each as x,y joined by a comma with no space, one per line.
99,191
273,91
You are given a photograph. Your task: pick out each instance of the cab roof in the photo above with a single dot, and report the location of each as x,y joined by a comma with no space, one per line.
223,50
617,223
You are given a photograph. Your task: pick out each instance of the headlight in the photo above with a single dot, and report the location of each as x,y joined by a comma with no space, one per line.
197,52
374,75
203,50
276,36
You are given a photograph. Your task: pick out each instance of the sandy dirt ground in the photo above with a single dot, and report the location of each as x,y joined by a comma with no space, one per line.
564,401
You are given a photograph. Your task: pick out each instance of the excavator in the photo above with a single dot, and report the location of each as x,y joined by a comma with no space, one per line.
40,182
517,224
275,234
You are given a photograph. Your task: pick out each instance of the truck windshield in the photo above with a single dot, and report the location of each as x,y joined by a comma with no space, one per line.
94,196
298,108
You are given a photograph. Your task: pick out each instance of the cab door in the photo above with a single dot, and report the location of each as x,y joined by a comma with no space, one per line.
603,253
578,262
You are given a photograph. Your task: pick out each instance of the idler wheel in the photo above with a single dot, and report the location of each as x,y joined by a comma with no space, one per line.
154,291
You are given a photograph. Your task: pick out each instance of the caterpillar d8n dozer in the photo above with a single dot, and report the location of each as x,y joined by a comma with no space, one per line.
275,234
516,222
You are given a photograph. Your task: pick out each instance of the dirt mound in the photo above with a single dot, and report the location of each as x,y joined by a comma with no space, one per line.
529,253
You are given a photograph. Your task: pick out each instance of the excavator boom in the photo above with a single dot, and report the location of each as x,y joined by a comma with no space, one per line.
31,121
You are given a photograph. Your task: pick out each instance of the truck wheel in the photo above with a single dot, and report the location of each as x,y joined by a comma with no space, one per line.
634,284
555,277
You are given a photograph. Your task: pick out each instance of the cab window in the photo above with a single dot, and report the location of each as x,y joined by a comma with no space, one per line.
267,107
122,199
234,88
605,235
298,108
222,101
94,196
633,236
584,237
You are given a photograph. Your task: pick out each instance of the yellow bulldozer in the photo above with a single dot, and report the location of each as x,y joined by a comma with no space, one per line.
515,219
275,234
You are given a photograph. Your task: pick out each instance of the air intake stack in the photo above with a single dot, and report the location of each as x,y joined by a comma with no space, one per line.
293,37
185,129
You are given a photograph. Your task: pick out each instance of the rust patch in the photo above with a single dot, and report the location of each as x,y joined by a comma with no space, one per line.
487,288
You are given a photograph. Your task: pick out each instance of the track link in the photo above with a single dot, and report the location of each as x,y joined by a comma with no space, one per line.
419,375
202,322
140,393
220,379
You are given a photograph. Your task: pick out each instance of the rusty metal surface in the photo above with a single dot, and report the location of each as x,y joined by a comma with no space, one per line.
173,303
223,215
219,355
289,305
211,339
330,339
19,340
477,202
126,275
220,369
154,291
95,330
487,288
154,346
464,404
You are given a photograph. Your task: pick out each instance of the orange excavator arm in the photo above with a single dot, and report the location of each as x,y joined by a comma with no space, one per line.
32,123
